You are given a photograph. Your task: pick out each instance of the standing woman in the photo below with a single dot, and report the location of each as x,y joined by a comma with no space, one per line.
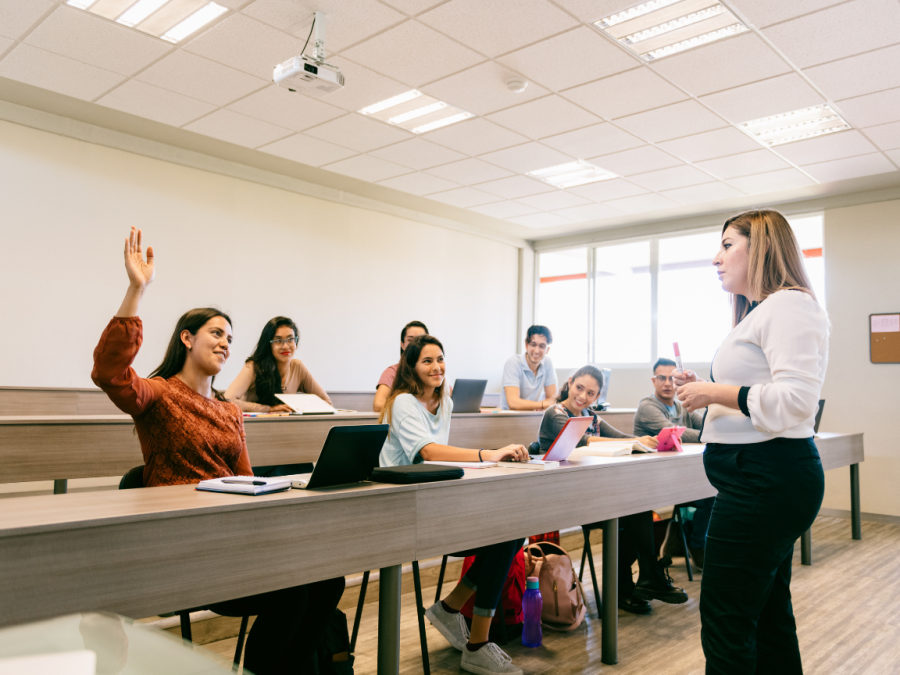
189,433
762,399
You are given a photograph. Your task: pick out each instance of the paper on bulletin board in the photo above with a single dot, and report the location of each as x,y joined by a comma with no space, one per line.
886,323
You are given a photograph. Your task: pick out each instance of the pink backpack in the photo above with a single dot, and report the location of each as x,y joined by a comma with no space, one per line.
560,588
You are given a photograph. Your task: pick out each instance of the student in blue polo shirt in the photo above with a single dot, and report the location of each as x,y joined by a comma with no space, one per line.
529,380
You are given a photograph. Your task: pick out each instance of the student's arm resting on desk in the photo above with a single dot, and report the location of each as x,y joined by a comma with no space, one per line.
516,403
609,433
238,389
434,452
381,397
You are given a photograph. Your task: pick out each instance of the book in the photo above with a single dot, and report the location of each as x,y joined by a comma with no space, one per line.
306,404
465,465
612,449
245,485
532,465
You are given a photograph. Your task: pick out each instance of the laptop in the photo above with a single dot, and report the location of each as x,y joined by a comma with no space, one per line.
348,456
568,438
819,415
467,395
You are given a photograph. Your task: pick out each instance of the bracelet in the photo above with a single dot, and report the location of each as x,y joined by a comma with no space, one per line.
479,455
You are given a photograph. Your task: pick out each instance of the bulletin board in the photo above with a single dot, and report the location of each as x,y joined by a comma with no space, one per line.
884,338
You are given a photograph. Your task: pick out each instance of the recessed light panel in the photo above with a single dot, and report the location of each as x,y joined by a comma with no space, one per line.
572,174
415,112
796,126
171,20
661,28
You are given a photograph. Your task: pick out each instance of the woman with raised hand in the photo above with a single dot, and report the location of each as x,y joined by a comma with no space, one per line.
272,369
761,400
418,410
189,433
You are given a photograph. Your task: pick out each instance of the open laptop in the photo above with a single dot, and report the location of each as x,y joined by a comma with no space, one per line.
467,395
567,439
348,456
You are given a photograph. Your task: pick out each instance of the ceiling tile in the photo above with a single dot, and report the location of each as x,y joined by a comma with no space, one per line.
246,44
872,109
625,94
675,177
858,75
418,184
239,129
672,121
638,160
824,148
527,157
57,73
494,27
851,167
145,100
359,133
470,172
552,201
200,78
701,194
836,32
607,190
514,187
762,99
505,209
414,54
464,197
417,153
745,164
722,65
362,87
785,179
886,136
581,214
600,139
594,10
367,168
413,7
16,17
544,117
5,43
710,145
894,155
475,136
642,203
347,23
482,89
570,59
538,220
763,13
87,38
307,150
291,110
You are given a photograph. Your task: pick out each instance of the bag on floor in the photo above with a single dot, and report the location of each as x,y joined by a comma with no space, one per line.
560,588
335,640
510,597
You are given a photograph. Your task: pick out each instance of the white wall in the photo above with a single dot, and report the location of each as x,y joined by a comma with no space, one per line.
349,277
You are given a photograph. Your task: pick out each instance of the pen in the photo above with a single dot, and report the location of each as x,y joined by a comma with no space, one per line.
245,482
678,357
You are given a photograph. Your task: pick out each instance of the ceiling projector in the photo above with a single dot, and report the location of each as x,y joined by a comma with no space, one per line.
310,75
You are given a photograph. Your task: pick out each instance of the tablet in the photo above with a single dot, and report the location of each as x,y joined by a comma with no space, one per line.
568,438
670,439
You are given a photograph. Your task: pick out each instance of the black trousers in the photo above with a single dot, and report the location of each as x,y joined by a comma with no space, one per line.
289,625
769,494
488,573
635,543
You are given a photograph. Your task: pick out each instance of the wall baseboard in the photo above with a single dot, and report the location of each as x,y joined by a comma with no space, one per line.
868,517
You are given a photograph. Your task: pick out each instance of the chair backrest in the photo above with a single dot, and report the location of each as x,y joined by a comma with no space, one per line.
133,479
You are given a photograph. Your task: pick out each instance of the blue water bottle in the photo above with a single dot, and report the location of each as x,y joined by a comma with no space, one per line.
532,604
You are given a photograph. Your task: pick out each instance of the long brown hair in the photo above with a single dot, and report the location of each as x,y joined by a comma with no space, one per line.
407,381
593,371
776,262
268,380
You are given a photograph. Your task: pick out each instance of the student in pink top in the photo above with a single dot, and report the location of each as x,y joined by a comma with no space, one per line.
383,388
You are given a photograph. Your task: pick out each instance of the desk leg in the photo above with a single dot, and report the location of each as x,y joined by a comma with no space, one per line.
610,624
60,486
389,620
806,548
855,519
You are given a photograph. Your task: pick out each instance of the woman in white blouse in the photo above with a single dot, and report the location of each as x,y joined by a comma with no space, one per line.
761,400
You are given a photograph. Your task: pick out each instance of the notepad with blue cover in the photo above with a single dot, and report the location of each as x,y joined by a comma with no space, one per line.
245,485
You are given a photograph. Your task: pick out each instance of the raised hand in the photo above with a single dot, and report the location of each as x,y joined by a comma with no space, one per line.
140,273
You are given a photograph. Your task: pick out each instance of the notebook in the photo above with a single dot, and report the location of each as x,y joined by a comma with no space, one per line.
612,449
530,465
245,485
306,404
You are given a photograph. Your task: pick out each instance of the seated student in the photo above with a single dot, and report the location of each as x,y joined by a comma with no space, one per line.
189,433
654,414
418,411
383,388
636,530
529,381
272,369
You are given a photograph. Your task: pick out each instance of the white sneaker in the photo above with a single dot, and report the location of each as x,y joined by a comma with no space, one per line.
489,660
452,626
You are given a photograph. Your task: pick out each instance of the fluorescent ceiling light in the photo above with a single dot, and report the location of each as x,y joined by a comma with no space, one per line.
418,112
390,102
444,121
796,126
572,174
415,112
661,28
194,22
170,20
81,4
139,11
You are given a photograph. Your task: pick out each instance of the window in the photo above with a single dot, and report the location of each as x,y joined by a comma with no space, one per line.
563,307
622,303
808,230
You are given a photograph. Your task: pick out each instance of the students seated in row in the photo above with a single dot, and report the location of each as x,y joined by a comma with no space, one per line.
189,433
383,388
654,414
418,411
529,380
635,531
272,369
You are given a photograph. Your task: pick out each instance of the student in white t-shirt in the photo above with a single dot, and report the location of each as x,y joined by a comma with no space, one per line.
418,411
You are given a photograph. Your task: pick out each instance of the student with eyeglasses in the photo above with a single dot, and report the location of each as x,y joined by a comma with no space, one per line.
529,380
272,369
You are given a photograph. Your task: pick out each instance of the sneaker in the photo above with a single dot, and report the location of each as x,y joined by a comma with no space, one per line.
659,586
672,546
489,660
452,626
697,555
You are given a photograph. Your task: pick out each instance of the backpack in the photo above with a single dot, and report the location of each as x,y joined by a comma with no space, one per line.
510,597
563,607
